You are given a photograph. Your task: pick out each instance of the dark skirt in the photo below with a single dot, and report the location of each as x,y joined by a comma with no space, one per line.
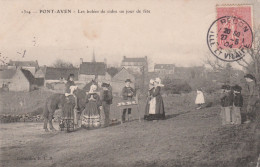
68,108
159,110
91,116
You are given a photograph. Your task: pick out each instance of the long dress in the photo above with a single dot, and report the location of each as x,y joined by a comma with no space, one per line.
200,98
67,121
91,114
154,109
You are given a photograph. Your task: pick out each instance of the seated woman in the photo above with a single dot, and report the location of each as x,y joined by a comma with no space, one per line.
155,106
91,114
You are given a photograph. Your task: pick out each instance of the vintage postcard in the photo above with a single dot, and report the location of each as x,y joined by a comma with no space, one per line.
131,83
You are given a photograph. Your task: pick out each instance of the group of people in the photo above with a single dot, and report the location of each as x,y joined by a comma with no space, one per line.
232,102
95,102
100,100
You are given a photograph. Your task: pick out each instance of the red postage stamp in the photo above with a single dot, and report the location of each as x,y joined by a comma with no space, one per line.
233,29
231,34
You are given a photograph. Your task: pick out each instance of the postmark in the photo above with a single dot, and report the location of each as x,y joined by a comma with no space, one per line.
230,36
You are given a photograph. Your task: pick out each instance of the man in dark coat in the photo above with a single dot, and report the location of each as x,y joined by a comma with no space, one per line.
128,93
252,97
106,98
237,104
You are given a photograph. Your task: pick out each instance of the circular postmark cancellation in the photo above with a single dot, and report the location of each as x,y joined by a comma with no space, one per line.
229,37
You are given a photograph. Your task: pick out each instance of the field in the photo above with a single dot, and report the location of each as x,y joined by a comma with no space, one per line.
188,137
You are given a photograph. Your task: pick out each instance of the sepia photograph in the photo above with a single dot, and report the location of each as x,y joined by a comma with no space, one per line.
130,83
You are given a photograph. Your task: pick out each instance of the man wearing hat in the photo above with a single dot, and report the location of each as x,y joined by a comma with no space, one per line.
253,96
237,104
106,98
226,103
70,82
128,94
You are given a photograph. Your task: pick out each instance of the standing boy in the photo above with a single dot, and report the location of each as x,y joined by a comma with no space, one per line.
128,93
106,98
237,104
226,103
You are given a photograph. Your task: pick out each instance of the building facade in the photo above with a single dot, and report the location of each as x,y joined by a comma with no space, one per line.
164,69
136,65
31,66
89,71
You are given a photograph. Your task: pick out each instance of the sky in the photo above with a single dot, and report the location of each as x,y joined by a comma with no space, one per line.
173,32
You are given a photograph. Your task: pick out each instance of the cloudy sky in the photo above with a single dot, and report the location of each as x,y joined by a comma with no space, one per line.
173,32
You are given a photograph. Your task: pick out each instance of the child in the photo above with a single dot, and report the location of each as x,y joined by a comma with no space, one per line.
237,104
226,103
128,94
199,99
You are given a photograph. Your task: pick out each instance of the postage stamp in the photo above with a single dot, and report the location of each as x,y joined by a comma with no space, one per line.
230,35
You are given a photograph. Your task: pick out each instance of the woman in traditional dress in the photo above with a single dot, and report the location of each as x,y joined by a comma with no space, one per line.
156,105
91,115
69,120
150,103
199,99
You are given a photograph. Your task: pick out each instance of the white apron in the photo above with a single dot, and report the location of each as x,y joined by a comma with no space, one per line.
152,106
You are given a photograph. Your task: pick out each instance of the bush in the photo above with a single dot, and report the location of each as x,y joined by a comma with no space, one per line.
176,86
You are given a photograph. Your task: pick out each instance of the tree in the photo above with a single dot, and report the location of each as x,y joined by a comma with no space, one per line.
112,71
224,69
252,65
59,63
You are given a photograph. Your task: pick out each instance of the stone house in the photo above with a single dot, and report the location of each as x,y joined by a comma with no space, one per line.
31,66
18,80
164,69
89,71
135,64
118,81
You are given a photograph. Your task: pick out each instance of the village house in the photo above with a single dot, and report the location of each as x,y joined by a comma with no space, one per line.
89,71
55,78
32,66
164,69
118,81
6,76
54,74
17,80
136,64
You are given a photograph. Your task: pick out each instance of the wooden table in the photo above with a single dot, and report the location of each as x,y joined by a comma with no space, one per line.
122,107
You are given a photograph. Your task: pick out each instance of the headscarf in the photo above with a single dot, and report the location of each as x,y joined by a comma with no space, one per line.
93,88
151,84
159,81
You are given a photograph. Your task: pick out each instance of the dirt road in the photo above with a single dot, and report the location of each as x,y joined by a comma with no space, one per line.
186,138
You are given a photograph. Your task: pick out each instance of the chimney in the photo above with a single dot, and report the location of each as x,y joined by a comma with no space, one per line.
105,60
81,60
